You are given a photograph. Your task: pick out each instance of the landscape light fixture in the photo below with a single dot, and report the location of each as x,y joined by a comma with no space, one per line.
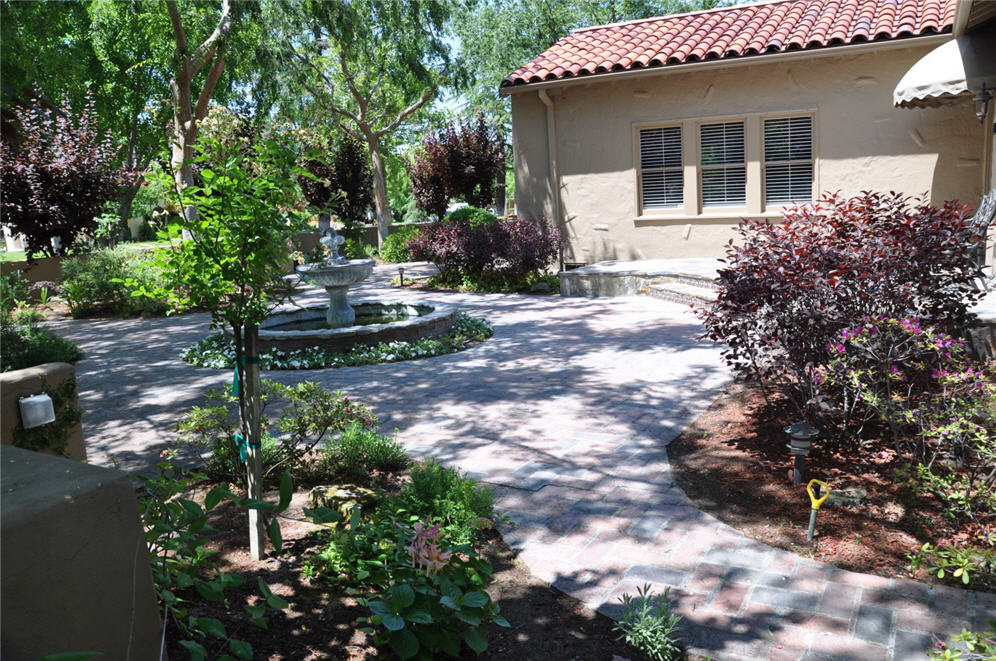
401,275
982,99
801,435
36,410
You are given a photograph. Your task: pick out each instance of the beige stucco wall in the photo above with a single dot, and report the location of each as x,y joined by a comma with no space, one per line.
861,143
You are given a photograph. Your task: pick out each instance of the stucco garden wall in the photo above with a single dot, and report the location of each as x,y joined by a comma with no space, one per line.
861,142
74,574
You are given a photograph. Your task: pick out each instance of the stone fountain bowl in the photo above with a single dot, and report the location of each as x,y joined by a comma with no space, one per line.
376,322
339,274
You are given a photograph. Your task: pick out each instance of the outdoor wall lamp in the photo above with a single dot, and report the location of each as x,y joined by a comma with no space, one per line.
801,435
36,410
982,99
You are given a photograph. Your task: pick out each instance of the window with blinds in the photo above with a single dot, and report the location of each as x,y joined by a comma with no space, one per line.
788,160
724,167
661,174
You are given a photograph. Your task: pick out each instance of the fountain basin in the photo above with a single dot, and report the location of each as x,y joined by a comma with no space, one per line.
375,322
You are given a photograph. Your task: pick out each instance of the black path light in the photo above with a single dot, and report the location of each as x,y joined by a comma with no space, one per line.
801,435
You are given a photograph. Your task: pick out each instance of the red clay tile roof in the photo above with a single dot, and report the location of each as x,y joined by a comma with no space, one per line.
771,27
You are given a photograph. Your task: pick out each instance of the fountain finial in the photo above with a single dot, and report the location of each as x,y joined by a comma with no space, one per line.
332,240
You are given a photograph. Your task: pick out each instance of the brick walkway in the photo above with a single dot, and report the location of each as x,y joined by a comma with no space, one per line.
567,412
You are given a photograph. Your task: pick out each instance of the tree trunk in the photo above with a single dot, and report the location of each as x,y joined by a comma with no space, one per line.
252,427
124,210
380,190
500,199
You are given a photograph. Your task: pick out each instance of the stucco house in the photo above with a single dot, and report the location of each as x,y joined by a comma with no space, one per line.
654,138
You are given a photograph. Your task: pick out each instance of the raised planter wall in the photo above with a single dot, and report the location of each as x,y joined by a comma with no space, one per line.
74,573
31,381
47,269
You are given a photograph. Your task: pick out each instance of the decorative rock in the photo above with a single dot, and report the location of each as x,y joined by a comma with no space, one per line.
846,497
341,498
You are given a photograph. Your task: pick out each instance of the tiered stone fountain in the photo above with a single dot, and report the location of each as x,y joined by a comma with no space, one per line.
340,325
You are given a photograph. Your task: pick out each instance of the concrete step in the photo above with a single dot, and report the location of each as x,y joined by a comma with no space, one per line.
683,292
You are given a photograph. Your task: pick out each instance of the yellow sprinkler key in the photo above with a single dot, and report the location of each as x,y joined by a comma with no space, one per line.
816,499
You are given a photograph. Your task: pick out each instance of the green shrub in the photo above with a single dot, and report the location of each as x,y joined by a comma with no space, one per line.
103,282
444,495
25,345
648,624
395,246
13,289
476,217
308,416
359,451
357,249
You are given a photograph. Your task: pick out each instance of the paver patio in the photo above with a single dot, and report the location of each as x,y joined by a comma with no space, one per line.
567,413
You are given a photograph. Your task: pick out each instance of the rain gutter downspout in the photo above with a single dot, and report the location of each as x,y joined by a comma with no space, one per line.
551,141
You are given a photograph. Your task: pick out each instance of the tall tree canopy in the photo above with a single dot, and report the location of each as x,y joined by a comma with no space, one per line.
370,66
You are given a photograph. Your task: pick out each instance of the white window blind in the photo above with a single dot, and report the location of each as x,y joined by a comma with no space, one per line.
788,160
724,169
661,175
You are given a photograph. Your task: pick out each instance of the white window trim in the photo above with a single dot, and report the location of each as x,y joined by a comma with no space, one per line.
754,151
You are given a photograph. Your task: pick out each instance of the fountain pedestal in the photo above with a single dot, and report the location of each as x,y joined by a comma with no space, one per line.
336,279
340,312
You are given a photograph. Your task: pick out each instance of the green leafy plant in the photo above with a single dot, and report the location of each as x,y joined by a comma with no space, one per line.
357,249
435,600
395,246
308,416
360,450
961,564
979,646
442,494
25,344
217,352
648,624
105,282
13,290
183,567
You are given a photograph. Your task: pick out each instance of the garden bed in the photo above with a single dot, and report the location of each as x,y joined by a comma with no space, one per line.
545,623
733,463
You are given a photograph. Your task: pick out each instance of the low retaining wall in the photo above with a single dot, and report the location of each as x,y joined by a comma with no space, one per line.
32,381
74,574
43,269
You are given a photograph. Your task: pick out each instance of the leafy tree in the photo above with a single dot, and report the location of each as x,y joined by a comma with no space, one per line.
465,161
371,64
233,264
59,177
341,181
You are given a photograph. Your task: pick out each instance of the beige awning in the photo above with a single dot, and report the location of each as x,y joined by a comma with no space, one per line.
958,67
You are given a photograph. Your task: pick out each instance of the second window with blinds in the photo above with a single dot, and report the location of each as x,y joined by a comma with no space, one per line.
721,160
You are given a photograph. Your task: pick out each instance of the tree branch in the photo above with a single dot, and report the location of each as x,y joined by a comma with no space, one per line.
320,95
390,128
206,50
178,32
200,110
361,101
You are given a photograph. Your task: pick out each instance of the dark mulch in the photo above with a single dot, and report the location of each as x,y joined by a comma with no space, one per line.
546,624
733,462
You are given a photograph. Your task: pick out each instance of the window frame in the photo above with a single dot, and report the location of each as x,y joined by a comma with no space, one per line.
640,169
693,208
701,168
812,160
